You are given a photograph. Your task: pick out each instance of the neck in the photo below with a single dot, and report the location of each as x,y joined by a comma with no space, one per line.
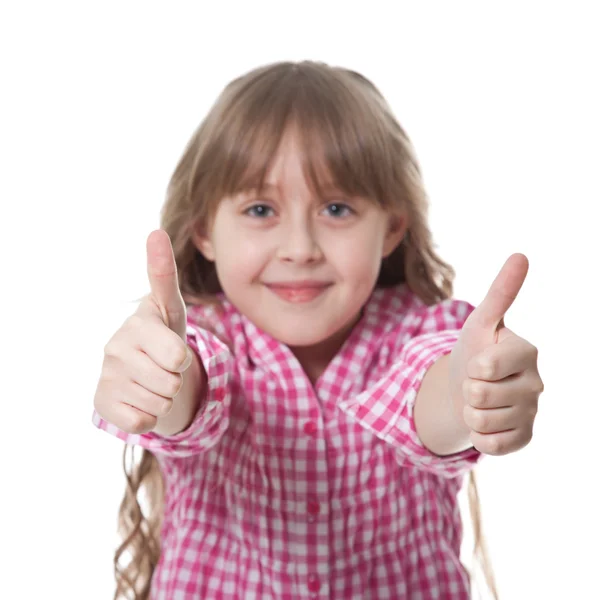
314,359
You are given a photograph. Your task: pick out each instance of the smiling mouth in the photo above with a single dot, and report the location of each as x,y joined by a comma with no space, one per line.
298,292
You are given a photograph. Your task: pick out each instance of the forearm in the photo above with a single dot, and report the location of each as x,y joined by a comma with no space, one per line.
439,424
186,403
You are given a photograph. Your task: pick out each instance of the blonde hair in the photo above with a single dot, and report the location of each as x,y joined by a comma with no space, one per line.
347,131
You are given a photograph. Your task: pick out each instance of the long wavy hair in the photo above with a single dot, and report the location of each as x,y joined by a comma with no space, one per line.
346,126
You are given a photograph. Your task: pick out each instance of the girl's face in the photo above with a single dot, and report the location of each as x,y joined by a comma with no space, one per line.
299,267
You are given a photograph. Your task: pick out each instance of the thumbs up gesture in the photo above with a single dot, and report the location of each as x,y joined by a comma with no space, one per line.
164,303
144,360
494,378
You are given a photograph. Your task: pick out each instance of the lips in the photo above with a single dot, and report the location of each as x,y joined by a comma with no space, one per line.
298,291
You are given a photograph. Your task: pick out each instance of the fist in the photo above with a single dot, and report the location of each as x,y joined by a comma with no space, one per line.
494,377
144,360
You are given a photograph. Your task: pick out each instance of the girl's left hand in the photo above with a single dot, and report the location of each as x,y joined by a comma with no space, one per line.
494,378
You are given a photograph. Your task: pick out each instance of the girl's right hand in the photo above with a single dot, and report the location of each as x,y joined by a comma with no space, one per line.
144,360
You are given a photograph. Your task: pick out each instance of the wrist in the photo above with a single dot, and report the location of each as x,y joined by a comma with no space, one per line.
438,414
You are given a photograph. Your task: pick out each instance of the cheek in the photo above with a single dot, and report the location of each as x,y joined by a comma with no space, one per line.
238,256
360,253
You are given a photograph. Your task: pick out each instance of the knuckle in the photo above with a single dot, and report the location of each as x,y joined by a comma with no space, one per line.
495,446
534,384
148,402
156,405
177,357
112,347
134,322
118,344
539,387
137,422
477,393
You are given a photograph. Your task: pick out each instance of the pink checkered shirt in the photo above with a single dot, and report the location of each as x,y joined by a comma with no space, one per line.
284,490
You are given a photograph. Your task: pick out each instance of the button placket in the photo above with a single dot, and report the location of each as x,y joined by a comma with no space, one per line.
312,428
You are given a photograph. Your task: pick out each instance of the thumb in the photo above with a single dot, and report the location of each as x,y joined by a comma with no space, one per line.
164,286
502,292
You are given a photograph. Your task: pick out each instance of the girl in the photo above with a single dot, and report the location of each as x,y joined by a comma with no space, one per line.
307,395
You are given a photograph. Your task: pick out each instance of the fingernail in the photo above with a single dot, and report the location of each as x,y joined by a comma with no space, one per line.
188,360
166,408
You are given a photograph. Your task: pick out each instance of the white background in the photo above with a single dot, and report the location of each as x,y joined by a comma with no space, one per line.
97,103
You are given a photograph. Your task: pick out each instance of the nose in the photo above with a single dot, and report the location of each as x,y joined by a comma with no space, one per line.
298,244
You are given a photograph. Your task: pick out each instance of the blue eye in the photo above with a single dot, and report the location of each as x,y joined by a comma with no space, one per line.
338,209
259,211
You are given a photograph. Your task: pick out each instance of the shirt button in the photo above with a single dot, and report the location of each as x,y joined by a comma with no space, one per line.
313,508
314,585
310,428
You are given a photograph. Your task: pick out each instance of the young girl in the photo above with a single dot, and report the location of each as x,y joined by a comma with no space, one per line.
307,395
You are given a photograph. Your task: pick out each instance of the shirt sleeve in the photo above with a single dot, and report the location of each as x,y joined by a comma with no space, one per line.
212,419
386,408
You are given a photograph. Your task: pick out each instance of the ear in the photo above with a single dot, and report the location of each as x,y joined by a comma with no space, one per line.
397,226
204,245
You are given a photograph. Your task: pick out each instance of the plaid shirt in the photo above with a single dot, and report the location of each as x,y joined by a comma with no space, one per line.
281,489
